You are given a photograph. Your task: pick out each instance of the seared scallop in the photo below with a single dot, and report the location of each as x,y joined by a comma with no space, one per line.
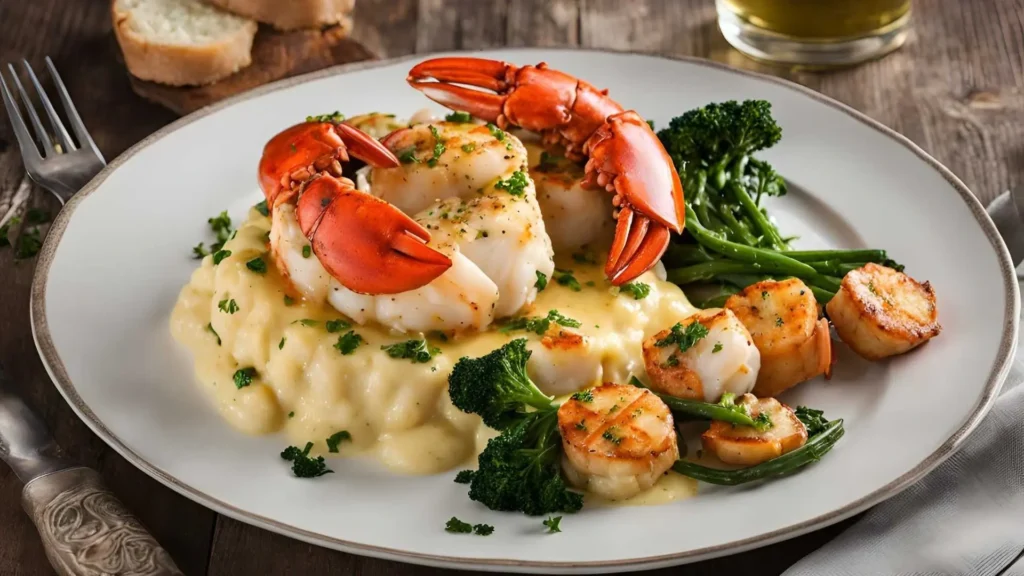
744,445
782,317
617,440
703,362
880,312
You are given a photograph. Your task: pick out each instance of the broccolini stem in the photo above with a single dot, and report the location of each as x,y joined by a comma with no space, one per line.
856,256
812,451
711,270
821,295
777,260
760,220
687,254
739,230
702,410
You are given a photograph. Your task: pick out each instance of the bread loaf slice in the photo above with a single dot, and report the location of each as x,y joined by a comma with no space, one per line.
181,42
291,14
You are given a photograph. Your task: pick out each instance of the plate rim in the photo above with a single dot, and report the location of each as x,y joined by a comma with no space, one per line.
58,374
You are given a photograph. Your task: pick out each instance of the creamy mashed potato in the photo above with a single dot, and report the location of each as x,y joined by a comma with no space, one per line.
396,411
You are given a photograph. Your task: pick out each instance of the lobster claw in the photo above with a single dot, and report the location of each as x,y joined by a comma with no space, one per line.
367,244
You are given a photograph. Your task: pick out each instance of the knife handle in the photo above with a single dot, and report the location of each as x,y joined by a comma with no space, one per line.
87,531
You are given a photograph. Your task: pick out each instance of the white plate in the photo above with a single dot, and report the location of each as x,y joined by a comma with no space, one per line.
118,255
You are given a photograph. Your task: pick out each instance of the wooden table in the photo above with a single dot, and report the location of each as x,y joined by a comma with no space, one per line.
956,88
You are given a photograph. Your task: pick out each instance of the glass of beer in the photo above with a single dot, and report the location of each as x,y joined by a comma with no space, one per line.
815,33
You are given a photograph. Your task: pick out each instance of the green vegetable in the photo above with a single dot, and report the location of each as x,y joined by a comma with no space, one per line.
334,326
439,147
457,526
583,396
302,465
288,300
307,251
565,278
464,476
407,155
813,420
459,117
257,265
280,345
552,524
539,325
717,348
684,337
519,470
418,351
243,377
817,446
542,281
515,185
638,290
337,438
221,226
198,251
307,322
348,342
483,529
228,306
219,255
496,132
334,117
214,332
261,207
726,410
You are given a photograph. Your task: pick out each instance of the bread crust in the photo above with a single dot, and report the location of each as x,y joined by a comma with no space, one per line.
290,14
177,64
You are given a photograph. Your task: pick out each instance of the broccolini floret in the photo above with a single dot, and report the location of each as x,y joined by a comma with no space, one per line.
496,386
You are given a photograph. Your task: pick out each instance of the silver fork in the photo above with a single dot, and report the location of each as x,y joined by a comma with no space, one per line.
53,161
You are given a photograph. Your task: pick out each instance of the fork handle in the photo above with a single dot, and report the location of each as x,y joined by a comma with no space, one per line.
87,531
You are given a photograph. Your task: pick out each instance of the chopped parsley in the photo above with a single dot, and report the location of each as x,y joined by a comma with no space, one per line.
584,258
219,255
214,332
29,243
672,362
257,265
717,348
763,420
498,134
221,226
581,426
407,155
542,281
764,295
459,117
280,345
198,251
307,322
418,351
334,117
610,436
307,251
464,476
565,278
685,337
262,208
291,414
515,185
243,377
585,396
302,465
228,306
336,439
778,321
348,342
334,326
467,148
457,526
539,324
483,529
638,290
552,524
288,300
439,147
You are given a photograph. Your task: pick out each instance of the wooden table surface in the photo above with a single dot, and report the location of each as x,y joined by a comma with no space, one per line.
956,89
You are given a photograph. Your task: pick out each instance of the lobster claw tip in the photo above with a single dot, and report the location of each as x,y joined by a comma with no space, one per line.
639,244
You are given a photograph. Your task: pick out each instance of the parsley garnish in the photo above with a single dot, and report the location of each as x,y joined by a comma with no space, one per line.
542,281
467,148
638,290
565,278
717,348
459,117
288,300
221,226
685,337
416,350
348,342
813,420
337,326
539,324
337,438
483,529
307,251
552,524
198,251
439,147
219,255
262,208
407,155
764,295
335,117
243,377
280,345
228,306
778,321
610,436
496,132
307,322
515,185
464,476
585,396
457,526
257,265
302,465
217,336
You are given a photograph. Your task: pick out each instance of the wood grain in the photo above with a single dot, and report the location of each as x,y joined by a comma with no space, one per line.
956,89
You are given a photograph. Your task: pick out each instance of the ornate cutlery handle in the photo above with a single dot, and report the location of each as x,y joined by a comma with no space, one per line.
87,531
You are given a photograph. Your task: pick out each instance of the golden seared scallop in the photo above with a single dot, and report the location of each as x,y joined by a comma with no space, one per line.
617,440
744,445
702,357
881,312
782,317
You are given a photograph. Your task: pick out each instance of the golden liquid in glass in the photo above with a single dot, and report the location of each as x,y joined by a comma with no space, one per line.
822,20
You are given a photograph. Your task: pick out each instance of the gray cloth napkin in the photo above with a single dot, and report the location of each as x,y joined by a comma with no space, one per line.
965,518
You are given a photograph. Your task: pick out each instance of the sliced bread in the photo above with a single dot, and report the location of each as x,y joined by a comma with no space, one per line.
291,14
181,42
